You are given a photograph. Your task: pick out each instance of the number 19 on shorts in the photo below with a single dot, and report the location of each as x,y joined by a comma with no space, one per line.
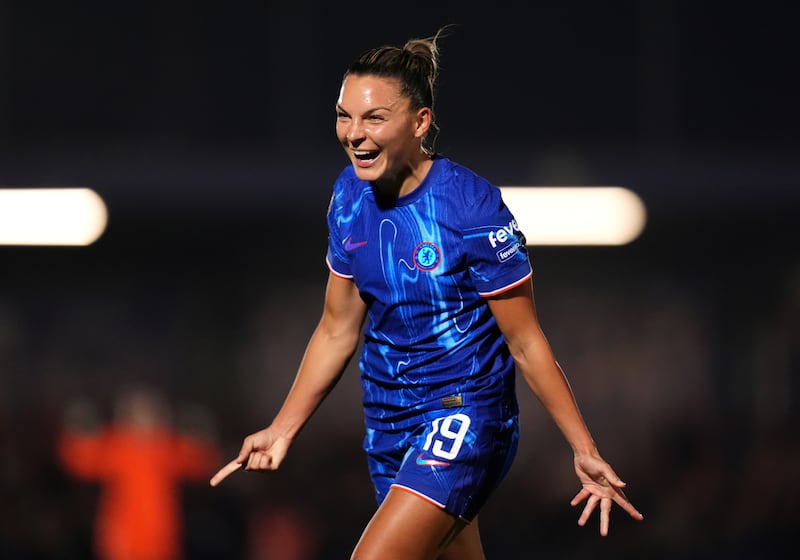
447,435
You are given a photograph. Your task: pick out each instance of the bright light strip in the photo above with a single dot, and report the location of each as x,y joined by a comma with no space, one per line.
576,215
51,216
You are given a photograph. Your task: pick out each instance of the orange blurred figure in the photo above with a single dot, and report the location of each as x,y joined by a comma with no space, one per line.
140,461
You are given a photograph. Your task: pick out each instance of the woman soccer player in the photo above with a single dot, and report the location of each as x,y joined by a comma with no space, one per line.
426,252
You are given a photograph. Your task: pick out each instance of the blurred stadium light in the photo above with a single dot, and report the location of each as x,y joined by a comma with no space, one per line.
51,216
576,215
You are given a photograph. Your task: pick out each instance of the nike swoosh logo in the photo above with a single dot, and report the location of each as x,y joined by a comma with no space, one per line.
422,461
350,245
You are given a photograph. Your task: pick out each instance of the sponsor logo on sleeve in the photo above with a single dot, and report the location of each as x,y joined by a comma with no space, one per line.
508,252
502,236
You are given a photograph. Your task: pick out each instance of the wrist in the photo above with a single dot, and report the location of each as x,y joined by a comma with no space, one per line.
585,448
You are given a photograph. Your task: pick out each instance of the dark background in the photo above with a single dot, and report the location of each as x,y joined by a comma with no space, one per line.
208,130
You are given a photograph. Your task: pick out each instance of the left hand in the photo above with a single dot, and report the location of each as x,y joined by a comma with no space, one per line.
600,485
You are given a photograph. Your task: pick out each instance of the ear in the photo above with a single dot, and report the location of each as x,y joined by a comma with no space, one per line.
423,122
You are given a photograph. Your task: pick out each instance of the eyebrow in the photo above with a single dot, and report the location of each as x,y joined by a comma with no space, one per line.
372,110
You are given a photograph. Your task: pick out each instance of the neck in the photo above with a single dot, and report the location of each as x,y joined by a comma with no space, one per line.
407,180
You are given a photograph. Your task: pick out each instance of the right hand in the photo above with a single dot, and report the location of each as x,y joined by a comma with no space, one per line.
261,451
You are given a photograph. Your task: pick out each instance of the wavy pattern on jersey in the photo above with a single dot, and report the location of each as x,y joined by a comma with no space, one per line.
429,321
432,291
429,332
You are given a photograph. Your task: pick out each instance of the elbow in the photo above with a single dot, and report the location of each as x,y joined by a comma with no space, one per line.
520,353
343,342
349,344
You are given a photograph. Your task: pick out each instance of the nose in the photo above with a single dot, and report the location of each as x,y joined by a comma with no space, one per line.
355,131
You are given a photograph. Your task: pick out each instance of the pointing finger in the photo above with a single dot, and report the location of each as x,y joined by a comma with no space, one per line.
230,468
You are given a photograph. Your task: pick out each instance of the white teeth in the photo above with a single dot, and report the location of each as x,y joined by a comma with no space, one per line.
360,153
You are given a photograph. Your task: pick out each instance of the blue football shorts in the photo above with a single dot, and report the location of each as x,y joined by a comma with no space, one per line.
453,458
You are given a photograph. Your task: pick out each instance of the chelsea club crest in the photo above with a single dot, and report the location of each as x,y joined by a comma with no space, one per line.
427,256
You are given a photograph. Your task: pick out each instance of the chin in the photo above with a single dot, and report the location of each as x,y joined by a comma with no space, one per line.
367,173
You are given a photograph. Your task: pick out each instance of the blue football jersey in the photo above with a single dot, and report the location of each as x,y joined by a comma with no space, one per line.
424,264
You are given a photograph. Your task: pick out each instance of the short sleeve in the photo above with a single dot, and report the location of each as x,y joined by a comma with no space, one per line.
494,245
337,258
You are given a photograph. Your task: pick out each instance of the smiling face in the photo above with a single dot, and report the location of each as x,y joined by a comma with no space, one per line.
380,132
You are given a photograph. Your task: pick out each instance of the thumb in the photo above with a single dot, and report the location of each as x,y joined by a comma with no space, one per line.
612,478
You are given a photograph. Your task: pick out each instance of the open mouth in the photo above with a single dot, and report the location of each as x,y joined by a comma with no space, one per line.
364,155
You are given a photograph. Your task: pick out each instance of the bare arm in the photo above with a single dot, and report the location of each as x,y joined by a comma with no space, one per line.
515,313
328,352
516,316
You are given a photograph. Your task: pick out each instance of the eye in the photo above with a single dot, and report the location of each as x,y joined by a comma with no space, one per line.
342,115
